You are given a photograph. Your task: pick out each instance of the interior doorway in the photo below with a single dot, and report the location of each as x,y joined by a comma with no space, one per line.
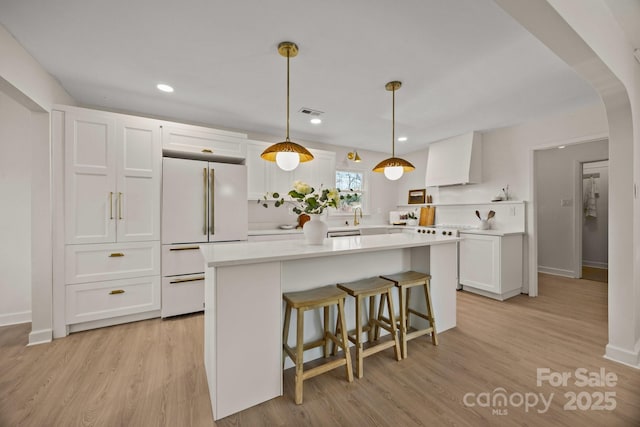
594,257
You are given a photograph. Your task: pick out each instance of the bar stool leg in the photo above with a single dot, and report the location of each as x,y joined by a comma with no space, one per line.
327,330
285,331
359,357
344,339
380,316
403,320
372,313
299,355
406,307
432,320
392,320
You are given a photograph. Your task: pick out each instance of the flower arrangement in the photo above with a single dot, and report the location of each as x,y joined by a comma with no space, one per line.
305,199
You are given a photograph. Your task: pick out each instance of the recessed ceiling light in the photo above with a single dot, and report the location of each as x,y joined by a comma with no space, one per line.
560,147
316,121
402,138
165,88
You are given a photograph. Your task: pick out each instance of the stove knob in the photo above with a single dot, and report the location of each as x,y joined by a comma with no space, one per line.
444,233
422,231
449,233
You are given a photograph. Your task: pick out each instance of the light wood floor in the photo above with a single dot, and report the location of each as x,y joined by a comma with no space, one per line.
597,274
151,373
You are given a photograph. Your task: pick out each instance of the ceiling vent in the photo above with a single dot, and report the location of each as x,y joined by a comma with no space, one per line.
310,112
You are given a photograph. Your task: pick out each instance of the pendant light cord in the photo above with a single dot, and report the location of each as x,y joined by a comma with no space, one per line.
393,123
288,54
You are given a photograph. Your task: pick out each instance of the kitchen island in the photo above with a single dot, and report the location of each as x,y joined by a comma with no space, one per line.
244,282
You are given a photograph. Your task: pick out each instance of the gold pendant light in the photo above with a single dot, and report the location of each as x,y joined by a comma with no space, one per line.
393,167
287,154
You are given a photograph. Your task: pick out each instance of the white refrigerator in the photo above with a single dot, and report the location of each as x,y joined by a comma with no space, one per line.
202,202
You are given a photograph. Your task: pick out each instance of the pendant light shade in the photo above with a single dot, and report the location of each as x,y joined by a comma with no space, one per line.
287,154
393,167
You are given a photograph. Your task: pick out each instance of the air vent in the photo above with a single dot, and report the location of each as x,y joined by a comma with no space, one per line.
310,112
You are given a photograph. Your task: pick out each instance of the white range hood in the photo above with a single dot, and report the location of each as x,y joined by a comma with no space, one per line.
455,161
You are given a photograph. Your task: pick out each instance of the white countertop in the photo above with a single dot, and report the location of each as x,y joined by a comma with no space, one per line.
270,231
237,253
491,232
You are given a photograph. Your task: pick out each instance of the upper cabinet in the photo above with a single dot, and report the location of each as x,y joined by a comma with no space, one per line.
263,176
180,140
454,161
112,177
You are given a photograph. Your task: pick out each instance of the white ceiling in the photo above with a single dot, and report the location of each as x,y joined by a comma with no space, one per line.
464,64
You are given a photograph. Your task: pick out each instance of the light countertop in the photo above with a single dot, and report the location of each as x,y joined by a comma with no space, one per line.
237,253
270,231
491,232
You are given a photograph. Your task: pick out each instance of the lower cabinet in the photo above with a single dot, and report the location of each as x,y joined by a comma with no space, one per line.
491,265
102,300
182,280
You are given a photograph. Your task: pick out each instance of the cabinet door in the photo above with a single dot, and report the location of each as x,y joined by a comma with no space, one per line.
228,215
256,171
319,172
194,139
139,164
480,262
90,177
279,181
184,200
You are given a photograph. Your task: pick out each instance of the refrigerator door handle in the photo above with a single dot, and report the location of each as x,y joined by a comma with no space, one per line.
204,204
213,198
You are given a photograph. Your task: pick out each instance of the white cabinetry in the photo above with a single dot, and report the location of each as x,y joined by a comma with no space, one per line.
179,139
112,181
456,160
266,176
491,265
112,178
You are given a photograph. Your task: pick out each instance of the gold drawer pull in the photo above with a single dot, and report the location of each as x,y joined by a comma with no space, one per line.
116,254
206,150
194,279
186,248
116,292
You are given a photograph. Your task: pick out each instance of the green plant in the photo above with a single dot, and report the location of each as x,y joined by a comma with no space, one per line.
305,199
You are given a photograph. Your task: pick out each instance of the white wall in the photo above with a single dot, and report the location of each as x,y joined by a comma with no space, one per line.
15,212
507,158
25,81
595,233
555,174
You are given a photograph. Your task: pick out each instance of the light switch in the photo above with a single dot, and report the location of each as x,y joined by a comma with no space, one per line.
565,202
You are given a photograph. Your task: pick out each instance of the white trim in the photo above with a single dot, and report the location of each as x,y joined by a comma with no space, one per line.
40,337
621,355
557,271
595,264
577,218
15,318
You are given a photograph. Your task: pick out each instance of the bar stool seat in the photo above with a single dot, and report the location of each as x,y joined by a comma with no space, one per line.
405,281
302,301
370,288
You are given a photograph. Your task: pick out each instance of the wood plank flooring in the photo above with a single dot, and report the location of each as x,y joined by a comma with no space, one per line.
151,373
597,274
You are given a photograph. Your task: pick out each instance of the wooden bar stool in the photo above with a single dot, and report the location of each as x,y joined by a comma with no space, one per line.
361,289
405,281
309,300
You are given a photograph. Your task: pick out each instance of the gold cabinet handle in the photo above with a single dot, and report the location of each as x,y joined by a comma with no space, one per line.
204,195
119,205
194,279
110,204
212,216
206,150
116,254
185,248
116,292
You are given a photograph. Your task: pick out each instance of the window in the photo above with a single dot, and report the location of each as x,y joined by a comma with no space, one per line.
352,190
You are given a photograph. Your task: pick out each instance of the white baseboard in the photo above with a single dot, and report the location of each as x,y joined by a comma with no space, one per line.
15,318
40,337
621,355
595,264
557,271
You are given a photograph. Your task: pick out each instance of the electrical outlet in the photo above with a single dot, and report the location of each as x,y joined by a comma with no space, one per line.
565,202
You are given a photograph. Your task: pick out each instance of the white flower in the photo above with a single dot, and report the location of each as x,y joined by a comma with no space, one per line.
302,187
334,195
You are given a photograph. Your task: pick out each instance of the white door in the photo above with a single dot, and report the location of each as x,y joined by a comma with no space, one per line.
228,217
139,164
185,200
90,177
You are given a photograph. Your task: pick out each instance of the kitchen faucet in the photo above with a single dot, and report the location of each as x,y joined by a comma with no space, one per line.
355,215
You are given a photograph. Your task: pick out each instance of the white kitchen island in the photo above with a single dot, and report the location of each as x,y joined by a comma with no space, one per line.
244,282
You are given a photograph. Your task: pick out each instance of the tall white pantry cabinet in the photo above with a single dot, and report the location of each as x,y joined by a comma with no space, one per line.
111,216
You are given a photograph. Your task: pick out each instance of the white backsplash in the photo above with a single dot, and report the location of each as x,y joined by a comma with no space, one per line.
508,215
